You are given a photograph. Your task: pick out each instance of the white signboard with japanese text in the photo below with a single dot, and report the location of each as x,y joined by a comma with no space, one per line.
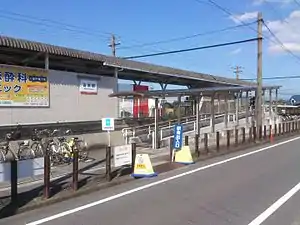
122,155
88,86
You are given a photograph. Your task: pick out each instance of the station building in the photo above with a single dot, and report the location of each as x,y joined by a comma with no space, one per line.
42,83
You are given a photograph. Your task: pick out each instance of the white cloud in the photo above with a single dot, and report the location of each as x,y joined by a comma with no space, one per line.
259,2
236,51
244,17
287,32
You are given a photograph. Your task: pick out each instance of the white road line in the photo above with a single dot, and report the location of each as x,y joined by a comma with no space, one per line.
102,201
276,205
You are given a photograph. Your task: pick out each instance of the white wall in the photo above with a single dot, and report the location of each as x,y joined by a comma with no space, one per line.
66,102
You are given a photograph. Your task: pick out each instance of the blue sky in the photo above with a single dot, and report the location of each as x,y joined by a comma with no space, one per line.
136,22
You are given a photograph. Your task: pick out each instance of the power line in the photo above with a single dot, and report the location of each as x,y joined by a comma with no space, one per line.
296,2
275,78
280,42
192,49
276,11
186,37
53,23
39,21
242,22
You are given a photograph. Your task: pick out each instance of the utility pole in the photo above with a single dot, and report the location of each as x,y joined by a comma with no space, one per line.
113,45
237,70
259,72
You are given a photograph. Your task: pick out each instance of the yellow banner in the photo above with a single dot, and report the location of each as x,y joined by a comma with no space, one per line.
23,86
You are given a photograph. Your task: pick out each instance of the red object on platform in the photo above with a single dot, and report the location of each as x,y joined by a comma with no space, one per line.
140,106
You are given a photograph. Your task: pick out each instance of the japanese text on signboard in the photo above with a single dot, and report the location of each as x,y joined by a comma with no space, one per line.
23,86
177,137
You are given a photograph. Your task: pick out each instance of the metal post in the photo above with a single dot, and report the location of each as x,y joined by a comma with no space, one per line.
116,89
244,134
47,175
260,133
75,168
236,135
218,140
226,110
259,72
270,106
237,109
186,140
197,115
228,138
279,129
212,101
254,133
206,142
156,133
265,131
171,149
247,108
108,163
197,144
14,180
133,155
276,103
218,103
179,110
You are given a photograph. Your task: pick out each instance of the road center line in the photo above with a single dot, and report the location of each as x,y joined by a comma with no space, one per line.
276,205
122,194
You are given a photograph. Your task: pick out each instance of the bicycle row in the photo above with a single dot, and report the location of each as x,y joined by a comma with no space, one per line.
57,143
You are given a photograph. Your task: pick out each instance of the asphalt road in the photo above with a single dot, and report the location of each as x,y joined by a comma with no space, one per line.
236,189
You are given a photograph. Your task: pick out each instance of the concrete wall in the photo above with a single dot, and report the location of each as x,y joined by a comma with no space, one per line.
66,102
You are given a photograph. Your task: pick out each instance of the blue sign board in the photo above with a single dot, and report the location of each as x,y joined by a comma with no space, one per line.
108,124
178,130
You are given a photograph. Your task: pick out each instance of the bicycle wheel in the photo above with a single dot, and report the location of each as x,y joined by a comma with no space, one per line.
83,151
25,152
37,148
54,152
2,155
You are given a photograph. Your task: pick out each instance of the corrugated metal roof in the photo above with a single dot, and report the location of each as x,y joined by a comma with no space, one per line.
168,71
51,49
186,92
116,62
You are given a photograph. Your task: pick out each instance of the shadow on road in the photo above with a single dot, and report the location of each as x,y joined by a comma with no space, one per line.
9,208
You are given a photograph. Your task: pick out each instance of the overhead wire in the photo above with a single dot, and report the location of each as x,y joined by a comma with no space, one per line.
42,21
297,2
57,24
223,9
192,49
186,37
275,78
273,8
280,42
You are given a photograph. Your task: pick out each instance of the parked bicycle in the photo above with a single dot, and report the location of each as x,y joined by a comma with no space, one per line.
5,148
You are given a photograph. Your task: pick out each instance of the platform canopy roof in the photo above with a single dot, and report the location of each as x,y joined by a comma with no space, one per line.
189,92
30,53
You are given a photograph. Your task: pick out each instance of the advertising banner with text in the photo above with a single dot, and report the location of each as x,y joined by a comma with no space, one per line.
23,87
